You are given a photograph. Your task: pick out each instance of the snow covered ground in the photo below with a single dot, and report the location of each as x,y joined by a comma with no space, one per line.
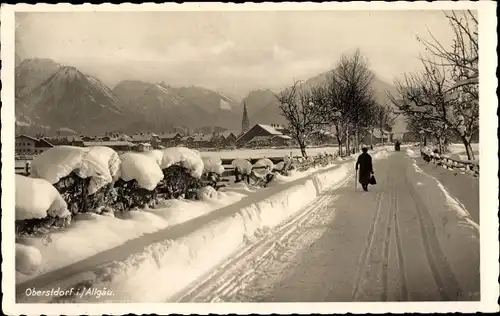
407,239
459,149
102,232
240,219
262,210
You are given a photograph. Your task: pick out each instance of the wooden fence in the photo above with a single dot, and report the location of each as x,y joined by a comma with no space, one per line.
468,166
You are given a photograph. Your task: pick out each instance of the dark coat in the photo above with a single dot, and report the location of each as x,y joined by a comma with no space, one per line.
365,166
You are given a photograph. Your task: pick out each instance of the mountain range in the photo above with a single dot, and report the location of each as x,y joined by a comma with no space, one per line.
51,97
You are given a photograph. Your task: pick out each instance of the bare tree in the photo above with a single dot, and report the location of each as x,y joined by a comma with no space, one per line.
459,63
350,98
302,113
463,55
437,130
425,97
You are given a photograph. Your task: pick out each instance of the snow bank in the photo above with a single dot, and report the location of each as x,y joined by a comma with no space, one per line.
206,193
99,163
185,157
267,165
411,153
381,154
457,233
180,262
142,168
212,164
28,259
242,165
37,198
91,233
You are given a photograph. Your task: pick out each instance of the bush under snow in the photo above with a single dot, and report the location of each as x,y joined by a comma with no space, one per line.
156,154
28,259
213,164
100,164
142,168
279,166
264,166
243,166
37,198
185,157
206,193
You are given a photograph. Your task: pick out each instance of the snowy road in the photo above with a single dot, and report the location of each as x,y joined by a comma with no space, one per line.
379,245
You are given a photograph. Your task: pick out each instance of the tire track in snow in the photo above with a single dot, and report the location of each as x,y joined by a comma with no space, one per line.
363,261
387,242
255,251
228,280
442,274
399,252
265,255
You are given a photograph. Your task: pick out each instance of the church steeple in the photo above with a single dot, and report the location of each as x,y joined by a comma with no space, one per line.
245,123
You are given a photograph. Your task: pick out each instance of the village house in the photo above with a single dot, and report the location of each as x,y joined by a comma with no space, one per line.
323,137
411,137
279,127
87,138
202,141
170,139
269,141
118,145
42,145
281,140
375,137
62,140
228,138
143,147
151,138
27,145
122,136
225,139
186,141
258,130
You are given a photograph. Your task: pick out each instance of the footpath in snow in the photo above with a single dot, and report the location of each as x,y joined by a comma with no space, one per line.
407,239
236,214
464,187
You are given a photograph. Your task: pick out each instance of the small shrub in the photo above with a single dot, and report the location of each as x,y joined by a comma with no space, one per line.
130,195
210,179
40,226
74,190
178,182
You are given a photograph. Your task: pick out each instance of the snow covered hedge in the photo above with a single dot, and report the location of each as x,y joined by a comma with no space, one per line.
97,179
93,179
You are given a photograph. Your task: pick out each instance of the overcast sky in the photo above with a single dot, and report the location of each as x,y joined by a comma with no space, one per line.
230,51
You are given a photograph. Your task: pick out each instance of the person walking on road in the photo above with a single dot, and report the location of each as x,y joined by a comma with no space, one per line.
365,166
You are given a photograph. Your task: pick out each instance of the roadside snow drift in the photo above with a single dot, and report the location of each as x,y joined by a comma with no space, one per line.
28,259
411,153
457,233
35,199
178,263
